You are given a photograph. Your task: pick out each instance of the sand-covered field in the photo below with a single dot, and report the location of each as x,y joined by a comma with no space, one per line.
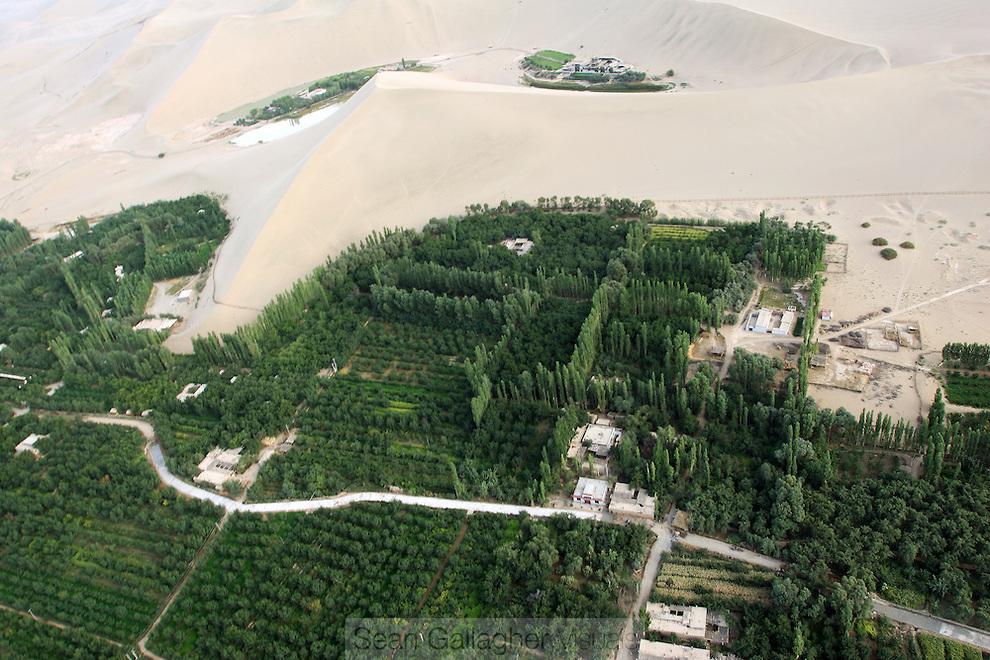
842,112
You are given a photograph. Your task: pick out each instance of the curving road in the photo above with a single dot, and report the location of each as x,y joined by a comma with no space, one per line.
153,451
917,618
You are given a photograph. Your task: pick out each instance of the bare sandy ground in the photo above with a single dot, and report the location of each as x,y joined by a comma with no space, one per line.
842,113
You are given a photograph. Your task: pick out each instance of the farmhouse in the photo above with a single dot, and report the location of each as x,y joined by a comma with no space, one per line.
681,620
663,651
520,246
631,503
191,391
158,325
771,321
590,491
27,444
72,257
218,466
602,438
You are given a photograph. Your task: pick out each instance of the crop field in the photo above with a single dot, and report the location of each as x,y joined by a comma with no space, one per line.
22,637
548,60
397,414
967,390
283,585
699,578
87,537
677,233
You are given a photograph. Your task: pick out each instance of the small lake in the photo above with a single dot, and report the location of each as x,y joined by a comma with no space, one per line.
283,128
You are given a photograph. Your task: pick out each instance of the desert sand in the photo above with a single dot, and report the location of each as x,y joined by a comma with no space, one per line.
840,113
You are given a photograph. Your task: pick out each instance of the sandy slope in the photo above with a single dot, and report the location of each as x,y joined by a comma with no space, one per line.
708,44
421,146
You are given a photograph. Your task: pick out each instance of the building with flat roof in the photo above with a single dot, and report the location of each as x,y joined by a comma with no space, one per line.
602,438
191,391
218,466
631,503
590,491
27,444
663,651
681,620
520,245
158,325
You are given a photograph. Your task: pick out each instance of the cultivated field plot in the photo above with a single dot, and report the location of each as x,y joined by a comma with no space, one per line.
836,255
396,415
23,637
968,389
694,577
282,586
87,537
678,233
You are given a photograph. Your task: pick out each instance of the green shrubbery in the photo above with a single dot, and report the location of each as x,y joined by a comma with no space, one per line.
879,241
888,253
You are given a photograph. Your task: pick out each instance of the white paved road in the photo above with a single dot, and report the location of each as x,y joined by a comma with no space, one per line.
153,451
730,551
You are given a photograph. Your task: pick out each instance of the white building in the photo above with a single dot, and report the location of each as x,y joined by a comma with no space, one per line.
663,651
184,296
631,503
681,620
158,325
72,257
191,391
118,272
218,466
27,444
784,327
520,246
759,321
590,491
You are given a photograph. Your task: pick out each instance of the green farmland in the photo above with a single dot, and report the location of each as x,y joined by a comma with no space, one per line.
548,60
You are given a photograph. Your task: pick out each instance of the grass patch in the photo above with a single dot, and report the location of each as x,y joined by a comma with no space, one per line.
774,297
598,87
548,60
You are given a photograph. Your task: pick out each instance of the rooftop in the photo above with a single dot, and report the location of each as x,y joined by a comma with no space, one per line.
680,620
591,489
631,502
27,444
656,650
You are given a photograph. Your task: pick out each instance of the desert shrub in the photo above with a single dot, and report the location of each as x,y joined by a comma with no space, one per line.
907,245
888,253
865,225
879,241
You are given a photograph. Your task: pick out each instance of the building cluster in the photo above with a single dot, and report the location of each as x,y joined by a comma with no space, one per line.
772,321
603,65
218,466
625,501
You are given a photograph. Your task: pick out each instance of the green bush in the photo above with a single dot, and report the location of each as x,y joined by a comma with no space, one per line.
907,245
888,253
879,241
865,225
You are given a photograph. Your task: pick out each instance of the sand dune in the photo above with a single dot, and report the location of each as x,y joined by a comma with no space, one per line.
420,146
708,44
